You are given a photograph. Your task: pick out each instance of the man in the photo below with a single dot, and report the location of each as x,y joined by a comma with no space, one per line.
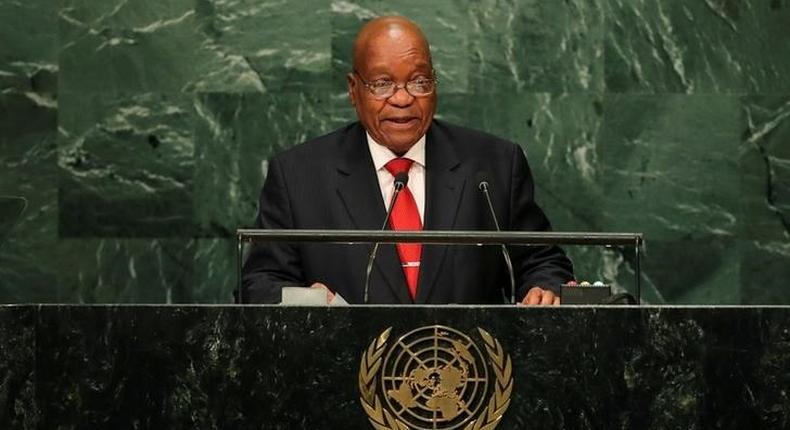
345,180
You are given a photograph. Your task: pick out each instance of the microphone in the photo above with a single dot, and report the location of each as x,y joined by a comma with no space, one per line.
401,179
483,185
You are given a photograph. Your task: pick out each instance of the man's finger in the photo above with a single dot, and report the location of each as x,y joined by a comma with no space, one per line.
533,296
556,300
547,298
329,294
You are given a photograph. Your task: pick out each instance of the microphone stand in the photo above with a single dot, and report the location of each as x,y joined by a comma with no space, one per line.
401,179
483,186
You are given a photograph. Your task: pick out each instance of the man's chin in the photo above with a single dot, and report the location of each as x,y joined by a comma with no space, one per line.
400,146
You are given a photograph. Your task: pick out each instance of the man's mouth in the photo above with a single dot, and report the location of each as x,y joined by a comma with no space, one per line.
402,120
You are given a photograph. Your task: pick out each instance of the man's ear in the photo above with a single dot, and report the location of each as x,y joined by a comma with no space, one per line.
352,84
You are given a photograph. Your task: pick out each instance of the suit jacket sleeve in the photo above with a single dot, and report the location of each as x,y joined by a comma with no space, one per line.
545,266
271,265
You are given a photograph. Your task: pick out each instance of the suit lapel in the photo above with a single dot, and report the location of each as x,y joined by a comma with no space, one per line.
358,189
444,184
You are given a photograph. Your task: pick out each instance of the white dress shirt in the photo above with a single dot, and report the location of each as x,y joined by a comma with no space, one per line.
382,155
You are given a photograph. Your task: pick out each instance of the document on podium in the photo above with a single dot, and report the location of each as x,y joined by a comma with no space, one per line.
301,296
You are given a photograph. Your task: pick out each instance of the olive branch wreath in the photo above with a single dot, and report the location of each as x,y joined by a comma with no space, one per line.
382,419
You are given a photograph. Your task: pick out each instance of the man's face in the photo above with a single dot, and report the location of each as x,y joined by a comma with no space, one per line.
399,121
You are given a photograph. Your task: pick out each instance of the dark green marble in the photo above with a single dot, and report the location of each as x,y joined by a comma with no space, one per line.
126,165
285,368
295,54
666,169
764,159
126,271
29,48
711,46
147,46
137,133
28,127
215,271
235,136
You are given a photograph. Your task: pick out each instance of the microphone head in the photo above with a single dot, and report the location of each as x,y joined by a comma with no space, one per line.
401,180
482,182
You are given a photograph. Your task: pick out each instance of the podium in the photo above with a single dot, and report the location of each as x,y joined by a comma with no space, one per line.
270,367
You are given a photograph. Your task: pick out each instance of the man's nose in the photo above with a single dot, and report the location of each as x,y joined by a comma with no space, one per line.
400,97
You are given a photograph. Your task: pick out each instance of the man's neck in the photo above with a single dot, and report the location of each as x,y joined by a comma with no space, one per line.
381,154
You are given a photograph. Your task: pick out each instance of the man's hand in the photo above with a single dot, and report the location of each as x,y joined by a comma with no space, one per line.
329,294
539,296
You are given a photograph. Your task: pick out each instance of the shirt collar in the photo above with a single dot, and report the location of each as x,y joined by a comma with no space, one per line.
382,155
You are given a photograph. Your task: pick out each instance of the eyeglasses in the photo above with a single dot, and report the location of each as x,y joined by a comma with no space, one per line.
383,88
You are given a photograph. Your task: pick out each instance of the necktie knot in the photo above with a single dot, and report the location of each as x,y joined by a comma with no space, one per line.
398,165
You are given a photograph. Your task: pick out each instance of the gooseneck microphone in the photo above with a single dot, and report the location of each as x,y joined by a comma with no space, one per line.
401,179
482,184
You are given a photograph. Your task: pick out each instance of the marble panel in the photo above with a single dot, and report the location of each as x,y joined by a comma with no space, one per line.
667,164
764,162
28,127
28,186
28,54
146,46
711,46
535,46
18,406
283,46
667,169
697,270
765,266
126,165
215,271
126,271
236,135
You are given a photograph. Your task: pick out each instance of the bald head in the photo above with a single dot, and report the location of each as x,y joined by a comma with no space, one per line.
386,28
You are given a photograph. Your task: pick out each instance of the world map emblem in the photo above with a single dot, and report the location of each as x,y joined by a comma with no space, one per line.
435,377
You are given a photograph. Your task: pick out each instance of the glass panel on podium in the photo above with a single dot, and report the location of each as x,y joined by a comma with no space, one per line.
456,267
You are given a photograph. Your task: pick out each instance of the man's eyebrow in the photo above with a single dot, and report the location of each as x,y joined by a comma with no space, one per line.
379,77
377,70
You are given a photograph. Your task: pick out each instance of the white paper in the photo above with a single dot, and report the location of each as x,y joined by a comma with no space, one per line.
338,300
300,296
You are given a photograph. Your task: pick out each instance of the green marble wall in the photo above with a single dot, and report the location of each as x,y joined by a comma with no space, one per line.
137,132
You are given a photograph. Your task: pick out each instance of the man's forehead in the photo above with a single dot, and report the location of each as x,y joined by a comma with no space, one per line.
382,40
394,42
381,52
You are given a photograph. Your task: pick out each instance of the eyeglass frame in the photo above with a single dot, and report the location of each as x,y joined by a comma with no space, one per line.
397,86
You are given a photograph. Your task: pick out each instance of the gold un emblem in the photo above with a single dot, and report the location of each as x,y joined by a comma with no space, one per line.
435,377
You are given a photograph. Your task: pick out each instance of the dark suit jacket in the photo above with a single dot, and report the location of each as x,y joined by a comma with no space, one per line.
330,183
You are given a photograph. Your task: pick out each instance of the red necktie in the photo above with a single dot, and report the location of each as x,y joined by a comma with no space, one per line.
405,216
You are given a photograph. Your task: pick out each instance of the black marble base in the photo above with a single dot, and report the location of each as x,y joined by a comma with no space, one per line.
171,367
